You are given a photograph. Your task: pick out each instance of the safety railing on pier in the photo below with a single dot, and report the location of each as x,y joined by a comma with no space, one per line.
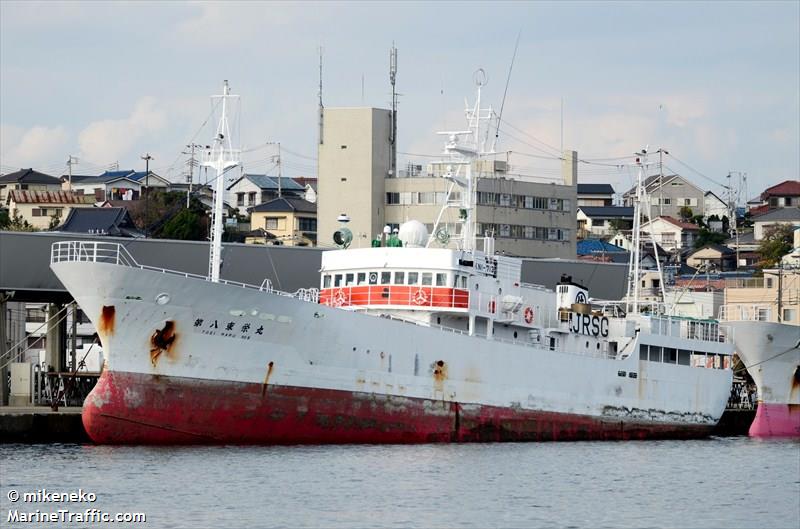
117,254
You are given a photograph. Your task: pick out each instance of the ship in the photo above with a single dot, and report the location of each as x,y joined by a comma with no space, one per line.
767,340
420,338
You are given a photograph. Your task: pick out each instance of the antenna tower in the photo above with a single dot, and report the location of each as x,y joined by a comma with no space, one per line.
392,80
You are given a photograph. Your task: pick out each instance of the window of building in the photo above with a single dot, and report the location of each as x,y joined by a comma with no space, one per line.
251,198
240,199
413,278
392,198
426,197
307,224
762,315
789,315
441,280
271,223
427,278
768,281
668,201
37,212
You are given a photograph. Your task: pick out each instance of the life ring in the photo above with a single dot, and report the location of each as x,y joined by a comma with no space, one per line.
528,315
492,306
420,297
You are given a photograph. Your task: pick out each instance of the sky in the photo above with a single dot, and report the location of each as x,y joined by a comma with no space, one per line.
715,84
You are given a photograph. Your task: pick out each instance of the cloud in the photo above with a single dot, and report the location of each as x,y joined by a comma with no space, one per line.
113,139
29,147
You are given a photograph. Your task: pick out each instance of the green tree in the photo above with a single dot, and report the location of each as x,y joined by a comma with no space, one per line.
17,223
54,222
707,236
187,225
776,242
685,213
5,220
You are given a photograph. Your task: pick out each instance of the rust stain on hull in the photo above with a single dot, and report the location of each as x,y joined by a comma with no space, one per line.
163,341
439,375
795,384
266,379
106,323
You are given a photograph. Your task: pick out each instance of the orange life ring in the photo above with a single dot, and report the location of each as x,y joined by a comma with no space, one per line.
528,315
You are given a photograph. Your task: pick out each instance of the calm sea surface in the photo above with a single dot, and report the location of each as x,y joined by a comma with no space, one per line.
719,483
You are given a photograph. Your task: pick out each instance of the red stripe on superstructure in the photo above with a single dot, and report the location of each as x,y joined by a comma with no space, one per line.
410,295
127,408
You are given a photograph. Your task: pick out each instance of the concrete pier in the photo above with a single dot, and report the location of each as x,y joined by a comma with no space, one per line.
40,424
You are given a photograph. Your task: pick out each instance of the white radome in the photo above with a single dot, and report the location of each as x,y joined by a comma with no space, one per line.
413,234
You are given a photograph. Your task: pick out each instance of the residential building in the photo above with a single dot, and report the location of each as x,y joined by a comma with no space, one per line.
713,205
26,180
603,221
251,190
103,187
785,215
40,207
310,186
290,221
783,195
595,195
672,234
111,221
602,251
668,194
774,297
713,257
354,161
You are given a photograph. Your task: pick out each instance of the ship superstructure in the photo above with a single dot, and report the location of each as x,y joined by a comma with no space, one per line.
412,340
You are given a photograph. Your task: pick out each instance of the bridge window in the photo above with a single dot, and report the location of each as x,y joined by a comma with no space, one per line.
427,278
683,357
386,278
348,279
655,353
670,355
399,278
413,278
362,278
642,352
326,281
337,280
441,280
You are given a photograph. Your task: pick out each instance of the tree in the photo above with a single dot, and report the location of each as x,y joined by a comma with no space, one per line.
776,242
707,236
5,221
17,223
685,213
187,225
54,222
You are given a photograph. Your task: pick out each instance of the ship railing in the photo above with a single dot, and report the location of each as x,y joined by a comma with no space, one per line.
117,254
742,312
691,329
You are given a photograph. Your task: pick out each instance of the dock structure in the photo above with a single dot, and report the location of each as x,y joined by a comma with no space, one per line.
40,424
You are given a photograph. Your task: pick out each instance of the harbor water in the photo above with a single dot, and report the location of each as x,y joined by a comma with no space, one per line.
712,483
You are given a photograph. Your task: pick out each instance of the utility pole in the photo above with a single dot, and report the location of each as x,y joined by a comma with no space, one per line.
279,163
70,162
192,163
146,157
392,80
661,152
319,94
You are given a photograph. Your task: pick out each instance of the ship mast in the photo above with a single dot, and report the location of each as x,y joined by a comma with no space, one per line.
634,265
463,148
221,157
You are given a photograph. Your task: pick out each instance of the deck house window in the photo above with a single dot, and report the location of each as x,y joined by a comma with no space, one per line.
683,357
642,352
427,278
655,353
441,280
399,278
670,355
362,278
413,278
348,279
326,281
386,278
337,280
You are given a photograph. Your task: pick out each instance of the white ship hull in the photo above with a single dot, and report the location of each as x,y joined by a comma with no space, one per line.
771,353
188,360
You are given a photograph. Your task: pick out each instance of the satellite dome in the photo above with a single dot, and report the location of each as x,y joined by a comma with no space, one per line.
413,234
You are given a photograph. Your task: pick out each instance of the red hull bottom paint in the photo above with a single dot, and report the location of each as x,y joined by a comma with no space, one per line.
776,420
128,408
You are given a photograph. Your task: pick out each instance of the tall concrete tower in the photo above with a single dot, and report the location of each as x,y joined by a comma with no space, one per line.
355,156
